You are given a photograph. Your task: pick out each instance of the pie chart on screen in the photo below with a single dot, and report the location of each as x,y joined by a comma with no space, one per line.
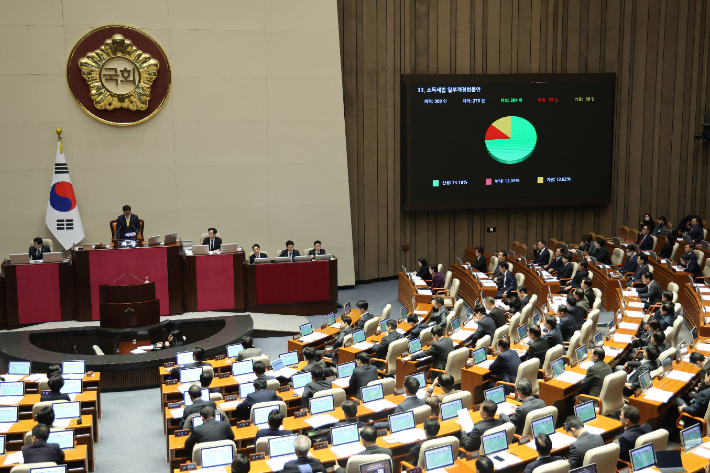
511,140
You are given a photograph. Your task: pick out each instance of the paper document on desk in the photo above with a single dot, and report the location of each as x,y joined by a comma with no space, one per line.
703,347
629,293
12,377
73,376
462,335
312,337
508,460
621,338
245,378
488,283
593,430
421,394
14,458
177,412
35,377
10,400
5,426
299,391
184,387
636,304
342,382
486,364
471,324
613,352
628,326
570,377
139,351
635,314
701,452
277,464
703,288
559,440
347,450
425,292
706,298
586,365
421,312
335,325
658,395
482,275
321,420
363,346
65,422
284,373
410,435
381,405
228,405
680,375
506,408
401,331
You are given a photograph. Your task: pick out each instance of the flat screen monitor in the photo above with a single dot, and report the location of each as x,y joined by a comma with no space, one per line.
585,469
73,367
558,367
439,457
536,319
645,380
346,434
494,443
14,388
376,467
401,421
383,325
184,358
246,389
290,358
522,331
300,380
358,336
2,445
469,313
306,329
233,350
278,364
65,438
261,414
71,386
496,394
691,437
242,367
190,375
694,333
281,446
9,414
371,393
450,409
403,314
455,325
204,395
415,346
421,377
50,469
66,410
581,353
346,369
19,367
346,308
319,405
585,411
598,339
642,457
330,319
216,456
543,425
479,356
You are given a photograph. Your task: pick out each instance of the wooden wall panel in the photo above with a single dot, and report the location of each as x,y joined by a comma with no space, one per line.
659,49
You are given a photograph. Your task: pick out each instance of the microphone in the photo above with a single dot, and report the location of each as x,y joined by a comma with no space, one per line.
135,277
119,277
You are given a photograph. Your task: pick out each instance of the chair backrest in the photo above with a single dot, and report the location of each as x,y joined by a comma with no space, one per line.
371,326
447,326
701,257
465,397
388,385
41,405
28,466
28,434
633,236
455,284
98,350
458,306
508,428
674,251
355,461
386,312
612,393
348,340
205,235
522,250
208,369
197,450
338,395
551,355
262,445
510,267
447,280
437,442
43,385
670,352
537,414
526,314
440,267
271,385
528,369
706,270
421,413
658,438
655,243
45,242
650,269
281,404
306,251
677,308
426,336
574,343
623,233
263,358
533,302
218,396
520,279
559,466
677,324
617,256
605,457
456,362
575,266
597,292
484,342
513,330
594,315
394,350
501,331
492,264
587,331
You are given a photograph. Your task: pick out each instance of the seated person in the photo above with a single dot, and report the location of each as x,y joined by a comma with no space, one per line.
256,249
698,406
128,225
365,315
696,232
528,404
671,241
480,263
514,307
195,393
431,429
38,249
541,254
586,243
439,351
594,379
645,241
249,350
174,339
260,395
557,262
437,279
506,365
56,383
471,442
368,439
565,271
553,335
641,269
650,362
446,381
666,315
52,369
214,242
696,358
349,408
510,286
309,354
39,450
497,277
46,416
690,266
629,418
412,401
650,293
423,271
198,357
413,320
276,420
577,314
537,346
631,262
588,291
363,373
495,312
543,445
601,253
317,249
289,251
582,302
210,430
567,323
644,339
318,384
346,329
523,296
206,379
303,463
440,312
259,369
585,441
240,464
381,348
486,324
576,281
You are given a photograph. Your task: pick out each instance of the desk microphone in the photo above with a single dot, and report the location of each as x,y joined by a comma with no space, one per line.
135,277
119,277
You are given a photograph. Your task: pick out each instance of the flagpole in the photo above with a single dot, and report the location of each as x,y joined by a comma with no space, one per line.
59,138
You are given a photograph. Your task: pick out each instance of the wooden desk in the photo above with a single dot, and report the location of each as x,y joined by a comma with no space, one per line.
407,290
295,345
347,354
89,383
215,282
75,458
470,287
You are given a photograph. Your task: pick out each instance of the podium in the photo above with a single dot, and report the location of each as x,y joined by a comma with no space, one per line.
130,306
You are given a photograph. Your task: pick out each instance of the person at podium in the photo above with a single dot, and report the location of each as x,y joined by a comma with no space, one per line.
257,253
214,242
127,225
37,250
289,251
317,249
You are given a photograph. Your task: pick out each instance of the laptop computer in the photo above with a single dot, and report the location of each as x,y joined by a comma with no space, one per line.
184,358
479,356
439,457
262,260
494,443
536,319
330,319
19,367
300,380
667,364
543,425
642,457
683,348
233,350
204,395
455,325
302,258
170,238
154,240
325,257
50,469
496,394
228,248
345,370
73,368
241,367
691,437
346,308
645,381
522,332
415,346
246,389
358,336
198,421
371,393
64,438
384,466
277,364
319,405
306,329
282,259
280,446
19,258
469,314
669,461
403,314
421,377
401,421
383,325
585,411
66,410
8,414
216,456
345,434
598,340
71,386
190,375
653,255
581,353
200,250
558,367
592,468
261,414
611,326
12,388
53,257
450,409
289,358
616,241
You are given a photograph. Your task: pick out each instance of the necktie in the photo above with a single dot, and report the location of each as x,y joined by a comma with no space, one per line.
211,244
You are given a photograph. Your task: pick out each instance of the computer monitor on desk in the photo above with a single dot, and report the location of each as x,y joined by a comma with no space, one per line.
19,258
155,240
200,250
302,258
281,259
229,248
19,367
324,257
170,238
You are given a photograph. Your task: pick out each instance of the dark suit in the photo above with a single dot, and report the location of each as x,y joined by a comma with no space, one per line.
361,376
294,253
269,432
666,251
694,268
216,244
577,315
417,330
313,252
556,264
194,408
578,276
263,395
581,446
553,337
696,233
602,255
41,451
381,348
525,300
313,387
480,264
439,353
54,397
471,442
312,364
510,286
439,316
364,318
542,257
699,405
409,403
538,349
486,326
645,242
209,431
518,418
253,257
567,326
122,228
627,441
565,272
498,316
38,253
640,271
294,466
645,365
338,343
594,379
540,462
506,365
651,294
589,294
630,265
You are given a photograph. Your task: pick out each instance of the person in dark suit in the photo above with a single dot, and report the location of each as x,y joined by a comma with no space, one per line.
440,312
260,395
650,362
368,439
641,269
565,272
601,253
689,250
317,249
210,430
128,225
205,380
696,358
574,311
497,277
198,357
412,401
240,464
257,253
496,313
289,251
523,296
528,404
585,441
345,330
259,369
510,286
576,281
364,373
349,408
586,243
439,351
431,429
645,241
671,241
39,450
588,291
303,463
471,441
380,349
631,261
696,233
438,281
666,315
276,419
423,271
553,335
594,379
651,292
556,263
506,364
543,445
55,383
38,249
365,315
538,346
486,324
318,384
697,406
195,393
690,266
581,302
643,340
46,415
413,320
173,340
213,241
542,254
249,351
480,263
309,354
629,418
567,323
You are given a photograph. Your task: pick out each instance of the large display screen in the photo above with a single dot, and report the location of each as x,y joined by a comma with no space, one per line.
478,141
